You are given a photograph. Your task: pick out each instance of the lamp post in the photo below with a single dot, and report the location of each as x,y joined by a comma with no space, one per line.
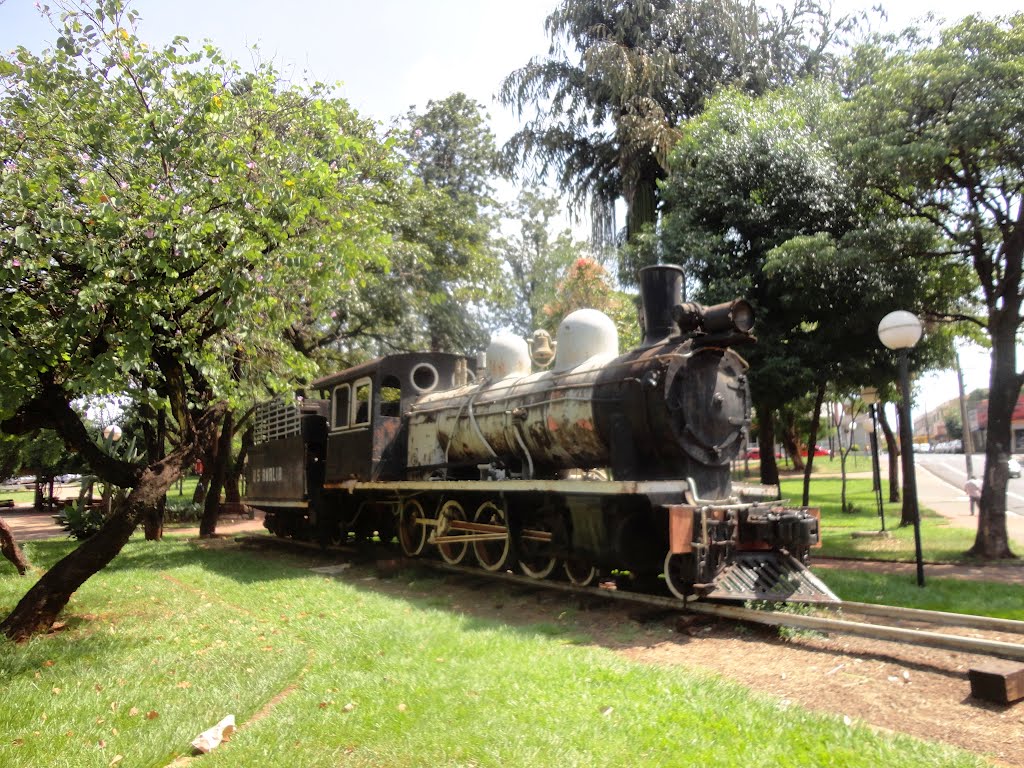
900,331
965,426
870,397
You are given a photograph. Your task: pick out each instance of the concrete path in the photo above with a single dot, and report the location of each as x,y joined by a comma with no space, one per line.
28,524
951,502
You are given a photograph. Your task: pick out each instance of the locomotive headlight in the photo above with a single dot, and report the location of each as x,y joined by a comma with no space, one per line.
736,315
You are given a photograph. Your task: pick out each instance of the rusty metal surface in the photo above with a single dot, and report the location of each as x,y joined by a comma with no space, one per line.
276,470
657,488
769,576
680,529
551,413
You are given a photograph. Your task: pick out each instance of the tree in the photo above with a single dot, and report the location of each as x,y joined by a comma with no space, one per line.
760,206
936,128
585,284
535,260
621,77
444,254
164,218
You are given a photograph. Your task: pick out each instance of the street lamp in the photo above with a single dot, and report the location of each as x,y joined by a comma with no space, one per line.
870,397
900,331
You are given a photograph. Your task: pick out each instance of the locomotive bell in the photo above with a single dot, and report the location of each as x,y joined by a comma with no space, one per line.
542,348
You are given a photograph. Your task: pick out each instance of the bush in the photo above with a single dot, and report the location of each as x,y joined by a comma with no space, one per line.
81,520
182,510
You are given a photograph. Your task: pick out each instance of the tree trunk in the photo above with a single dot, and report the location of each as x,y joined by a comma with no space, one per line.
766,440
791,441
992,541
156,439
893,453
211,509
41,605
10,549
819,400
153,521
232,489
908,514
199,495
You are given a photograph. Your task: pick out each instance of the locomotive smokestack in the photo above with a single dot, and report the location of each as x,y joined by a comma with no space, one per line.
661,289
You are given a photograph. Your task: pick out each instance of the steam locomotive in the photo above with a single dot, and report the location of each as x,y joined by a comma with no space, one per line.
598,463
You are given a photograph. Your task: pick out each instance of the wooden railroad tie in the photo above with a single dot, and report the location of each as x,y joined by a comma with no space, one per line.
1001,682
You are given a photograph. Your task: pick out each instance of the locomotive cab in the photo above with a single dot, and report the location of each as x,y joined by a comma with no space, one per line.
367,438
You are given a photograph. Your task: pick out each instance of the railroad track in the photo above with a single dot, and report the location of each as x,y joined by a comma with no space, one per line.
805,619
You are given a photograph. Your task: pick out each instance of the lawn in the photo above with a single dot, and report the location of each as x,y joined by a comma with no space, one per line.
940,542
981,598
323,672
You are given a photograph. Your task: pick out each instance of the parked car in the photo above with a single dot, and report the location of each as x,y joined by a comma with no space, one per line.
753,453
818,451
1014,466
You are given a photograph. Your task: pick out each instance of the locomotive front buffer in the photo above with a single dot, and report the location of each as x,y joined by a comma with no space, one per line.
747,551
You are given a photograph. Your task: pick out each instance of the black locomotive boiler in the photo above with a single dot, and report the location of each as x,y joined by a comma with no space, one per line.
602,463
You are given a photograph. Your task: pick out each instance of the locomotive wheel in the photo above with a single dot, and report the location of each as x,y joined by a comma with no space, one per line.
678,574
580,573
492,555
412,535
533,561
452,553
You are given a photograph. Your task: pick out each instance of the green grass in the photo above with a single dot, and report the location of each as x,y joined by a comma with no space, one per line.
20,497
187,488
982,598
940,541
823,465
191,635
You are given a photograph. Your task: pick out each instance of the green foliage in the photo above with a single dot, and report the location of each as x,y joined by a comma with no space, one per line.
936,130
445,265
535,260
81,520
622,77
163,212
762,206
586,284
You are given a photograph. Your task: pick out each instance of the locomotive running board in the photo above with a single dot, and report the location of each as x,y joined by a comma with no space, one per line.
769,576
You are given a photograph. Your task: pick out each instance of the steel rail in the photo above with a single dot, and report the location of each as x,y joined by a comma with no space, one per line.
918,637
996,648
931,617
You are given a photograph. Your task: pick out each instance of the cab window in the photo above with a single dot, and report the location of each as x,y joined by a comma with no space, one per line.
390,396
340,404
361,403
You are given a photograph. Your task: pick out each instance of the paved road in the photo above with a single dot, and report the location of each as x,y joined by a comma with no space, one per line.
952,467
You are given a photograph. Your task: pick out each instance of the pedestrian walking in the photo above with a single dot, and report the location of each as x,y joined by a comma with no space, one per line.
973,489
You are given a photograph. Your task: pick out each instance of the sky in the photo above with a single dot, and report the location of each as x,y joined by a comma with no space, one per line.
390,55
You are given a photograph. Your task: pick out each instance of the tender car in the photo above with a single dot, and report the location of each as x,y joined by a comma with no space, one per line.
1014,466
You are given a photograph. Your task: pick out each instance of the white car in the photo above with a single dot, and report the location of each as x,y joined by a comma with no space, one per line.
1014,466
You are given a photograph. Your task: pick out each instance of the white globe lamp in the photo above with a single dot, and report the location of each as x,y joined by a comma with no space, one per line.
899,330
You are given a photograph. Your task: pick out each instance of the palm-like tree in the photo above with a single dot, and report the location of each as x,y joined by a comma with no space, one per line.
622,75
